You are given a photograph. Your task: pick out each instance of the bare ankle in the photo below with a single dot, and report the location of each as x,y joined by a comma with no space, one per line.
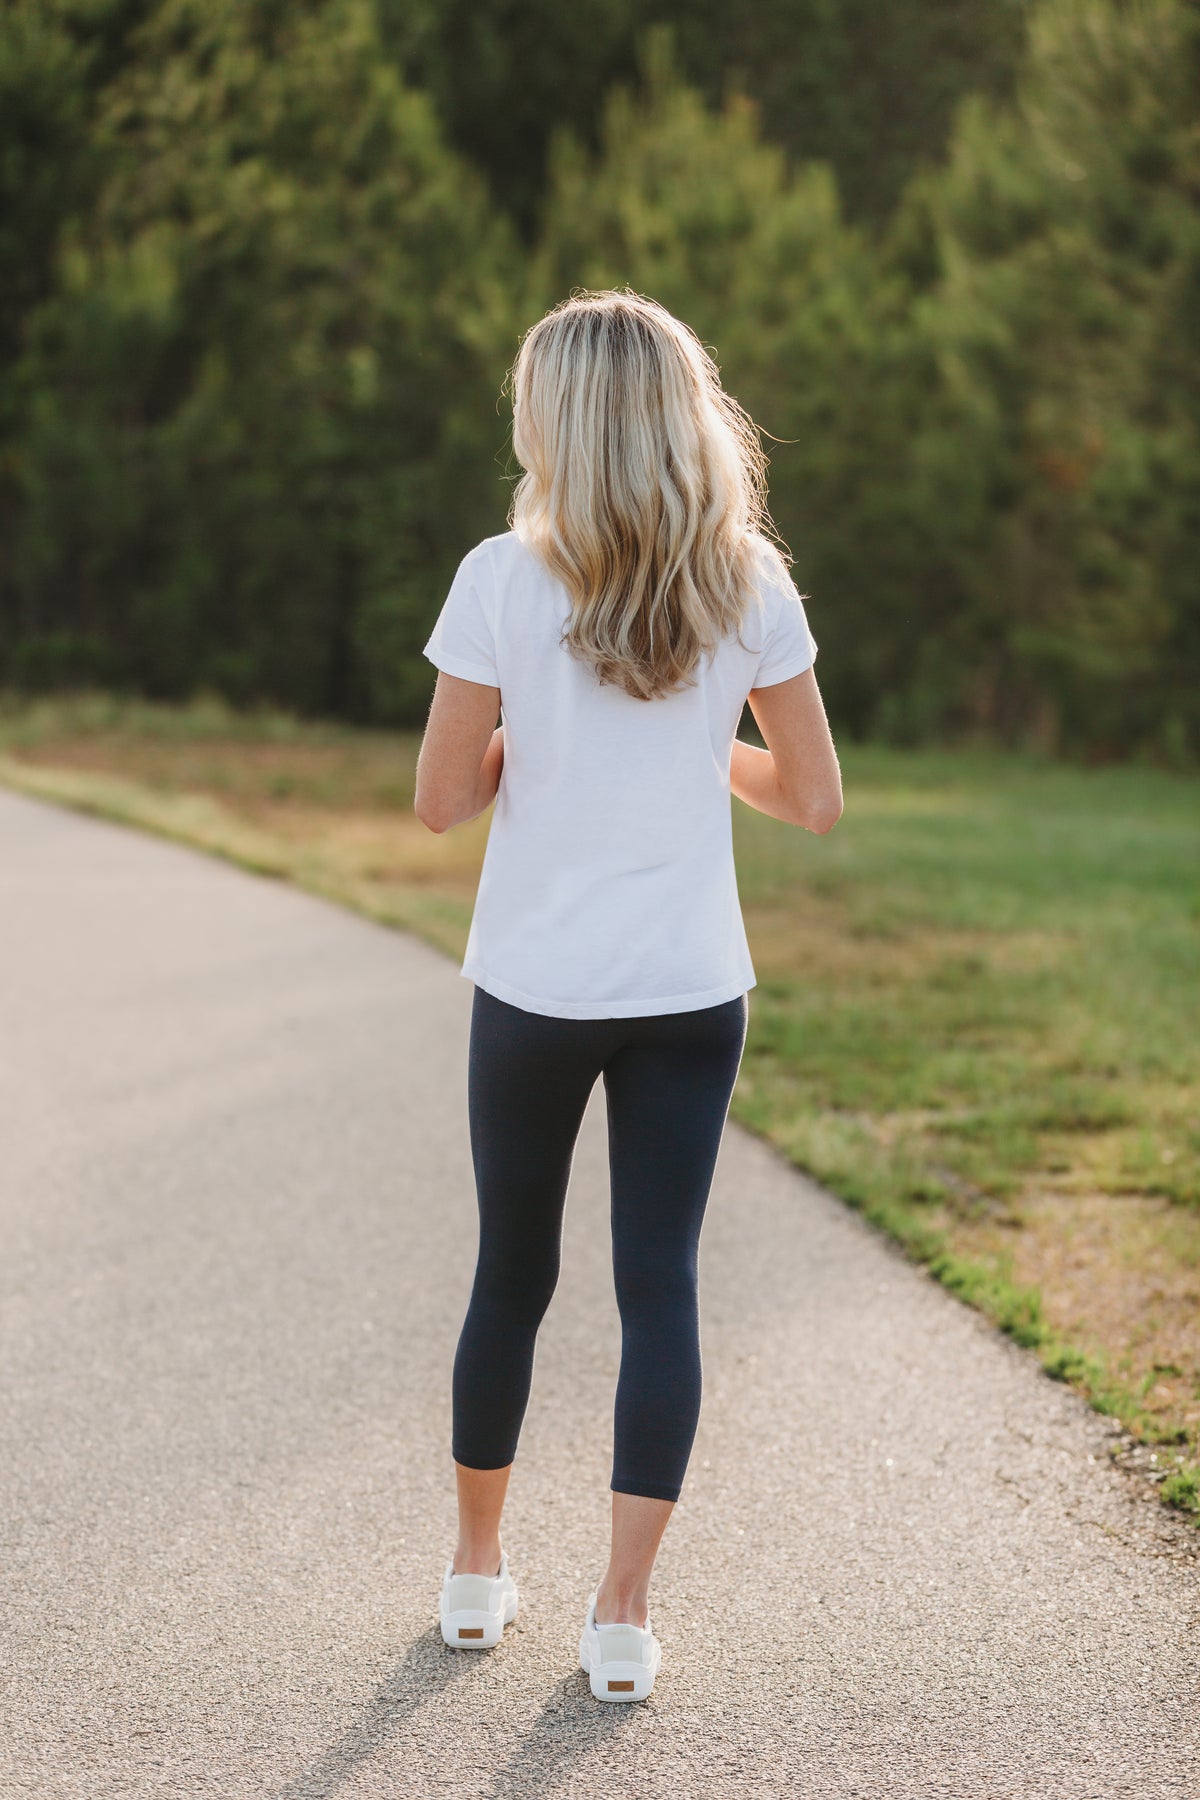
474,1559
617,1606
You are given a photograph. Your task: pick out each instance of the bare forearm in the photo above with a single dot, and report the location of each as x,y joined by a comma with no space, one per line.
752,778
488,782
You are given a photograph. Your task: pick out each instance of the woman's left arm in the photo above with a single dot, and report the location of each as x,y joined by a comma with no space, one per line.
462,753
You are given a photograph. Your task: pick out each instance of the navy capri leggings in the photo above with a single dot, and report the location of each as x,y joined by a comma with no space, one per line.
668,1081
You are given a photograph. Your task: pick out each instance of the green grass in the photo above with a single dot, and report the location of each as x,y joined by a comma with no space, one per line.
974,996
974,1019
1003,949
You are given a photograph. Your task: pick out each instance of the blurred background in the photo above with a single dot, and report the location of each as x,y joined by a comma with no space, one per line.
263,268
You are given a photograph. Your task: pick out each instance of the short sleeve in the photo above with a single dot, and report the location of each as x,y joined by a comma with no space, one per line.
790,646
462,641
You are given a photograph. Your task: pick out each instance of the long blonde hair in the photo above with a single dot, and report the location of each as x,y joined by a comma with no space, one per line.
644,487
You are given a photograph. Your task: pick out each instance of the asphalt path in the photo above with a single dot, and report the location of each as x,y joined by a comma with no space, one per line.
238,1233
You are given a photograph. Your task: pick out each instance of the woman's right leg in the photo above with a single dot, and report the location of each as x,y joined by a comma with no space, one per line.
529,1080
668,1093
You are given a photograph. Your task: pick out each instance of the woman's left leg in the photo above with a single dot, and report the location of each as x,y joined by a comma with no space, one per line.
668,1093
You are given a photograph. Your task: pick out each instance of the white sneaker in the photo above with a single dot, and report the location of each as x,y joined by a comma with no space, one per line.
620,1661
474,1609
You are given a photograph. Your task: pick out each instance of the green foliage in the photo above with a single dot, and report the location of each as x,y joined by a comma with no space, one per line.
1054,266
870,89
1181,1489
255,314
252,444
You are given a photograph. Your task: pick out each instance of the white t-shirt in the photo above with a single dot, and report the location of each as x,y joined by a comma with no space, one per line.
608,887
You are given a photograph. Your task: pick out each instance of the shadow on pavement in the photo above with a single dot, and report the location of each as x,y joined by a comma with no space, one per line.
428,1670
569,1728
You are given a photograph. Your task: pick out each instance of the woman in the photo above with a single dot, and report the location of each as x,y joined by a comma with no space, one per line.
618,627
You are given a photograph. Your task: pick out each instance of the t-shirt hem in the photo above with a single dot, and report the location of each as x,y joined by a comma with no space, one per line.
458,665
785,671
604,1009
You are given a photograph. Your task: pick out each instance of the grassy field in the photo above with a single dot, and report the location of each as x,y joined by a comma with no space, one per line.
975,1016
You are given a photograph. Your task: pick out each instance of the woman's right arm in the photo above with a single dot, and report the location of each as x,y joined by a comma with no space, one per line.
797,777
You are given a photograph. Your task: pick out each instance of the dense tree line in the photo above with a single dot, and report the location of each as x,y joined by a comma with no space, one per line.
263,267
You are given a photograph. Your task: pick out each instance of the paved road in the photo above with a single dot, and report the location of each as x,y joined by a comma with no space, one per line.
238,1237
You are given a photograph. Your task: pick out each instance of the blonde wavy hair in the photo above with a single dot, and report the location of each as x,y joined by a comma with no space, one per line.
644,487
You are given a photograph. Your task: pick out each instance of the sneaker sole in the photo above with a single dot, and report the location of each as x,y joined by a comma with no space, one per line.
465,1630
619,1681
